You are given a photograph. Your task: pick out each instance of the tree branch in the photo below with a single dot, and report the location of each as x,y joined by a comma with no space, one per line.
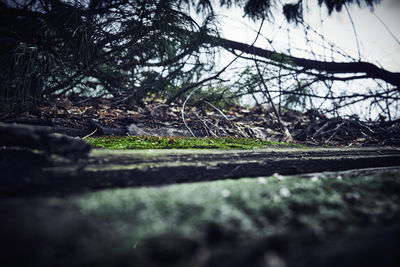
371,70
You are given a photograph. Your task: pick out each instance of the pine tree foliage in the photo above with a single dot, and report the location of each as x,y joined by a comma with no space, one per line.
261,9
51,47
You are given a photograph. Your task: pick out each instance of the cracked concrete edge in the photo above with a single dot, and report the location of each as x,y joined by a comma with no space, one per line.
113,168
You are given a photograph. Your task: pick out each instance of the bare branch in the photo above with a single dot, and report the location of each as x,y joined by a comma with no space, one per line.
332,67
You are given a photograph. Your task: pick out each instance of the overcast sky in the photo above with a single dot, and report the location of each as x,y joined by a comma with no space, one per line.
375,42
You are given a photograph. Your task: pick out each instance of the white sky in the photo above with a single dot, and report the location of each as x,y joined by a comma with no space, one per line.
376,43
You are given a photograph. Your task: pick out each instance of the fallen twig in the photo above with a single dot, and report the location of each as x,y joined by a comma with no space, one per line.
334,132
225,117
92,133
320,131
206,128
183,111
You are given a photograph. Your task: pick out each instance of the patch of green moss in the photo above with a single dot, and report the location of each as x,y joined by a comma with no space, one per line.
156,142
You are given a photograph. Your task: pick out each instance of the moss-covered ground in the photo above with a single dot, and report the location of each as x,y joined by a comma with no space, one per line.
157,142
245,222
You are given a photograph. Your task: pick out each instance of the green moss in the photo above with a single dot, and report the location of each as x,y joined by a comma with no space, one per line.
156,142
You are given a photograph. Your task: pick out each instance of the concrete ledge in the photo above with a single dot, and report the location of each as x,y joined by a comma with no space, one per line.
113,168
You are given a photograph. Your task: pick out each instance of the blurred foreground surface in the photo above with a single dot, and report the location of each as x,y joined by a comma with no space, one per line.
327,219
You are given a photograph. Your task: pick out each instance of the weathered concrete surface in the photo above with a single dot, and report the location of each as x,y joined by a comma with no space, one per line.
113,168
334,219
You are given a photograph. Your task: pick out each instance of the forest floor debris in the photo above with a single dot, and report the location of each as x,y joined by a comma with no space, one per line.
111,117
